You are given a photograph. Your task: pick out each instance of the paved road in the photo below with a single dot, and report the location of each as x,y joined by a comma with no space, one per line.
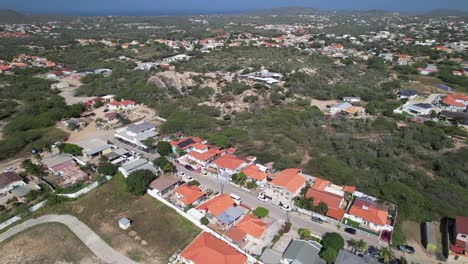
250,199
100,248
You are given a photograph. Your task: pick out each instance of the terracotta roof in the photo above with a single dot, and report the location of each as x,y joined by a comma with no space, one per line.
289,179
332,200
451,100
336,213
320,184
254,172
200,146
371,214
189,193
185,142
236,234
124,102
350,189
251,225
228,162
461,224
207,249
204,156
217,205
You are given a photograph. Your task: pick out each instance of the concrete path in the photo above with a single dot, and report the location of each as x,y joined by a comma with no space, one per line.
100,248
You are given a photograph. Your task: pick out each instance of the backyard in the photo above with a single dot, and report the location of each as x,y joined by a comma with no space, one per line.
30,246
156,231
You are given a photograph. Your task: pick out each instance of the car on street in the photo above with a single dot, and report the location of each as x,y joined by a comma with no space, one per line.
350,230
10,169
285,207
188,167
317,219
406,249
236,198
262,197
372,251
188,178
181,174
261,187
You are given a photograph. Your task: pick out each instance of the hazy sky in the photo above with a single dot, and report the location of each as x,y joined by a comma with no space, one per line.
160,6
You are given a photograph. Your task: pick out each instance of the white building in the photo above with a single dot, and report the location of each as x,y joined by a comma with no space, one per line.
135,165
136,133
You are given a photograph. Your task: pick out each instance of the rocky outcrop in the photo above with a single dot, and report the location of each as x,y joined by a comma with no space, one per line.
171,79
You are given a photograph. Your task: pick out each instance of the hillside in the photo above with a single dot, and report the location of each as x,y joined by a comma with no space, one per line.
284,11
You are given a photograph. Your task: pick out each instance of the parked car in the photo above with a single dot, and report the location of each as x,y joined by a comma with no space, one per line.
317,219
188,178
262,197
406,249
188,167
236,198
350,230
10,169
261,187
372,251
181,174
285,207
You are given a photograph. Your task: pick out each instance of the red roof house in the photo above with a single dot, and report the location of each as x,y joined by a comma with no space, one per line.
289,180
369,211
189,194
249,225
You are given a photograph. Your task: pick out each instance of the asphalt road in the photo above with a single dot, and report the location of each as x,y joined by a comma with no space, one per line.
100,248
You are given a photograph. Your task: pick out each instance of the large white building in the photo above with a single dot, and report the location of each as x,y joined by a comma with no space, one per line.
136,133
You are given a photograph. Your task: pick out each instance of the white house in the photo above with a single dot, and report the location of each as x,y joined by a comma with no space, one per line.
136,133
414,109
121,105
10,180
135,165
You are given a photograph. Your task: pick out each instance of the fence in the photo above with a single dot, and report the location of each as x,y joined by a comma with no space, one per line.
80,192
199,225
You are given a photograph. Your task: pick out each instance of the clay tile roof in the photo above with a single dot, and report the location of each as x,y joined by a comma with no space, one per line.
320,184
236,234
350,189
289,179
252,225
332,200
189,193
228,162
217,205
451,100
207,249
461,224
336,213
200,146
254,172
203,156
371,214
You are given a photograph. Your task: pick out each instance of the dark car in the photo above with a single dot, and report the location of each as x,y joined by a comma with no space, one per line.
317,219
372,251
406,249
188,167
349,230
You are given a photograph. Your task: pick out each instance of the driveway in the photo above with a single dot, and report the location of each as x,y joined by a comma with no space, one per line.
100,248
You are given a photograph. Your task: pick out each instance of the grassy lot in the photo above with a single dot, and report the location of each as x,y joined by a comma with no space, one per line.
29,246
162,228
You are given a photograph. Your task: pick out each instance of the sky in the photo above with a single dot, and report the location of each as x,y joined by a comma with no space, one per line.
110,7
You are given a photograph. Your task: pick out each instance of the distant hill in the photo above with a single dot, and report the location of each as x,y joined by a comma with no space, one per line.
10,16
284,11
447,12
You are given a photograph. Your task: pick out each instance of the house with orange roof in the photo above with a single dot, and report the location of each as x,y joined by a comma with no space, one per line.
455,102
256,173
188,195
227,165
199,156
250,228
370,214
222,210
207,249
289,182
184,144
121,105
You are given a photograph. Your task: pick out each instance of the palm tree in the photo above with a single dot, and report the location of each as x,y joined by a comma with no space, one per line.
360,245
352,243
385,255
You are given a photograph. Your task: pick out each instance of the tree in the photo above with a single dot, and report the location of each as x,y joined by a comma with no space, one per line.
149,143
107,168
32,168
385,255
138,181
164,148
321,208
333,240
164,164
329,255
72,149
204,221
304,233
359,245
192,183
261,212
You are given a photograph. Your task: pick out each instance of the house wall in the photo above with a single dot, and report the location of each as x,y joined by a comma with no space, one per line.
370,225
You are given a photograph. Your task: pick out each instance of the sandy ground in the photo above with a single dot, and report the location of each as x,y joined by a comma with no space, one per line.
33,246
322,104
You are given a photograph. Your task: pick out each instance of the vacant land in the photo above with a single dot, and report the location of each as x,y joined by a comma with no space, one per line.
156,232
31,246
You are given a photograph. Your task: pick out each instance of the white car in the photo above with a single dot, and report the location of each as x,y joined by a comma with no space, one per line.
188,178
285,207
262,197
181,174
261,187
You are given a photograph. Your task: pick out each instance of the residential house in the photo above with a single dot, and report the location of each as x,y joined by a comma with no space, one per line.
370,214
199,156
458,118
352,99
324,191
428,70
414,109
207,249
228,165
257,173
455,102
184,144
137,164
461,236
96,147
63,165
403,59
345,107
118,156
188,195
221,209
289,182
164,184
249,229
10,180
407,94
90,103
136,133
121,105
346,257
302,251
